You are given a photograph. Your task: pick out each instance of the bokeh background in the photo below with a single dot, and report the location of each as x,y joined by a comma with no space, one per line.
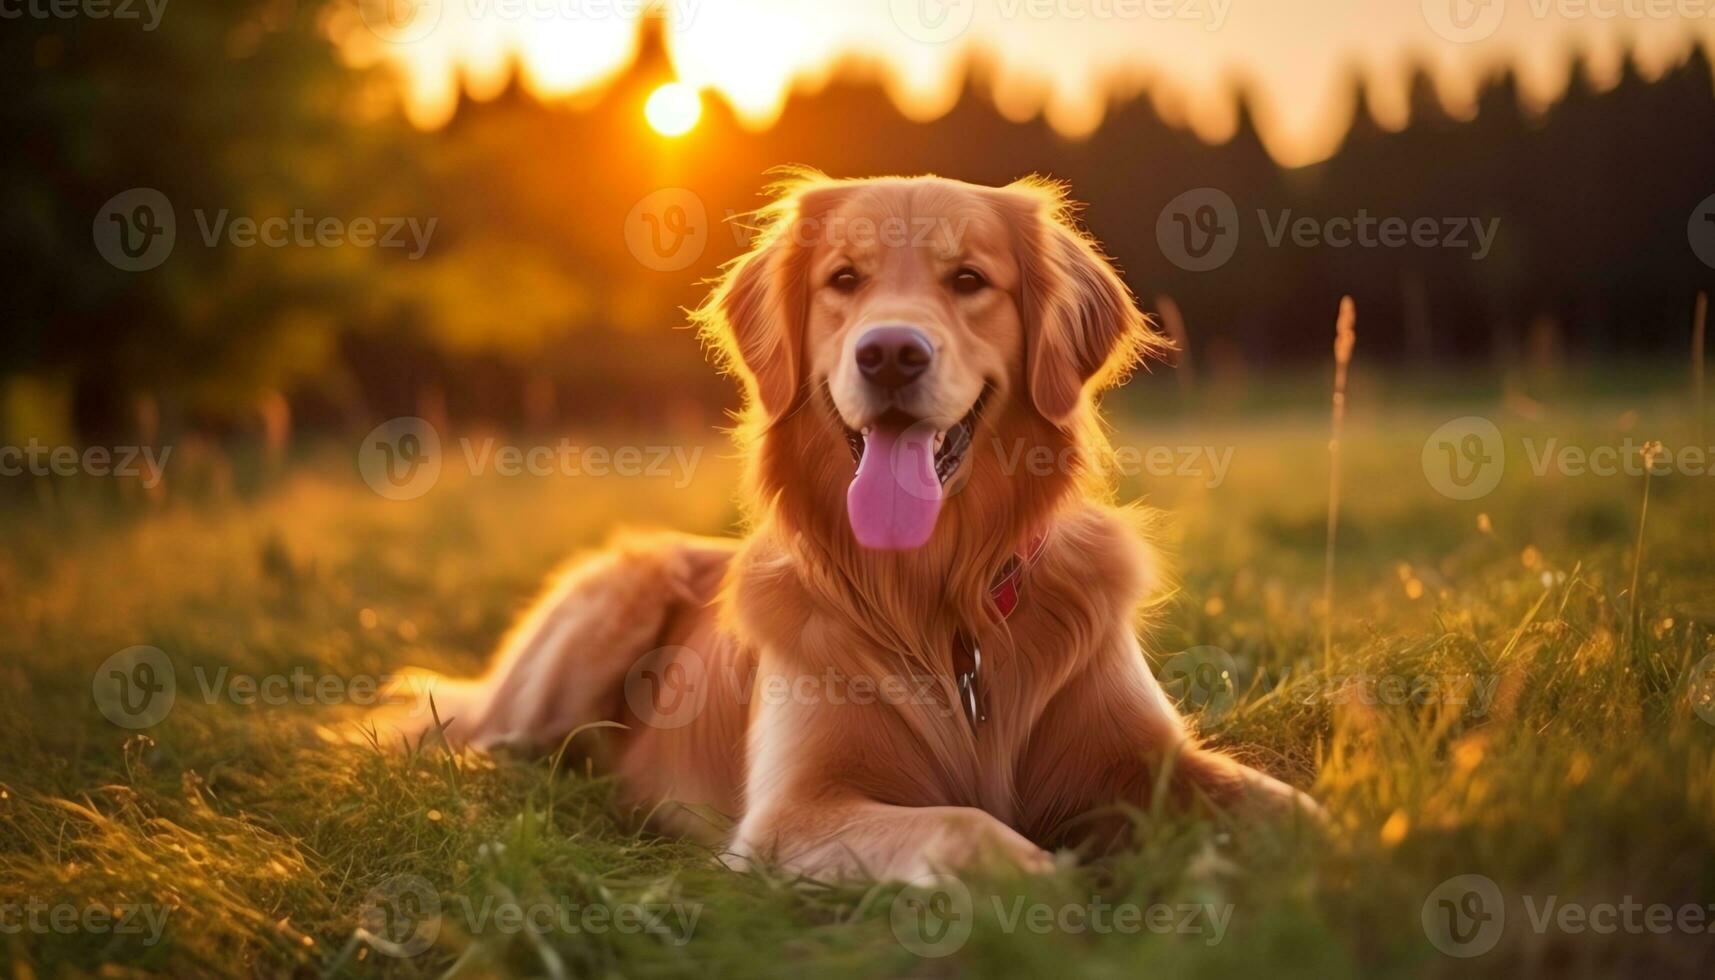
564,229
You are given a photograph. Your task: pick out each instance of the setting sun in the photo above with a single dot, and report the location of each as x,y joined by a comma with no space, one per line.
673,109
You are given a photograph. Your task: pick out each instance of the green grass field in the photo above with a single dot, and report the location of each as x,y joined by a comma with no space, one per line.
1498,702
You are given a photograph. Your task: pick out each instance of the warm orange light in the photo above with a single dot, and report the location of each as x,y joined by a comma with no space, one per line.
673,109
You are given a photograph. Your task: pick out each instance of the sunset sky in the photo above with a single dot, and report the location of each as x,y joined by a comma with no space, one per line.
1061,57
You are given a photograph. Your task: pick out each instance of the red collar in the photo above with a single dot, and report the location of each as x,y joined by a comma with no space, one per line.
1004,593
967,656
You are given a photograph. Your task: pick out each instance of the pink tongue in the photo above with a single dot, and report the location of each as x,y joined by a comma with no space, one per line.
894,499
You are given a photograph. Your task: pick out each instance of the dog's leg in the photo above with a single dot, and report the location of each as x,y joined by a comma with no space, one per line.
1111,736
564,665
831,783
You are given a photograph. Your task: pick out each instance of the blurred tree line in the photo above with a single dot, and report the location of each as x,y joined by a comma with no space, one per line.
527,307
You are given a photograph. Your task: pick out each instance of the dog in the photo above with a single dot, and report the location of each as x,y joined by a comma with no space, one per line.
923,653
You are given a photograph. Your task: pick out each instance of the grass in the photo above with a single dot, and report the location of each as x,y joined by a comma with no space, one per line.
1566,763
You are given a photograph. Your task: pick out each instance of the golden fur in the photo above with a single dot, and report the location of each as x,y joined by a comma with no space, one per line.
777,637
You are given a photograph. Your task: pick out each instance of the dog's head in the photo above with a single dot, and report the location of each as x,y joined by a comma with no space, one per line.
903,337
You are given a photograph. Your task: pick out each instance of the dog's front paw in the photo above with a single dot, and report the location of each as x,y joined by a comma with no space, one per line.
975,839
1265,796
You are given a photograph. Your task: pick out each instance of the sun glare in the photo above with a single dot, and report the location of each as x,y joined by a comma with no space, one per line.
673,109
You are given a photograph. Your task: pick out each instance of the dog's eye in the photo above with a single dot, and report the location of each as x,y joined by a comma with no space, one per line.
845,279
968,280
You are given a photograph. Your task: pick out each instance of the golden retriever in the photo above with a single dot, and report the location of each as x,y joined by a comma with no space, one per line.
923,653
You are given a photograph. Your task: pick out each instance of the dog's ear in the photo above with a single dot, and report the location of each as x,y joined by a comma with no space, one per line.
754,317
749,320
1083,330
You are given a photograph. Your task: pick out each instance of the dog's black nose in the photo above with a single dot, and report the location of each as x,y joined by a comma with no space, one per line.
893,357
